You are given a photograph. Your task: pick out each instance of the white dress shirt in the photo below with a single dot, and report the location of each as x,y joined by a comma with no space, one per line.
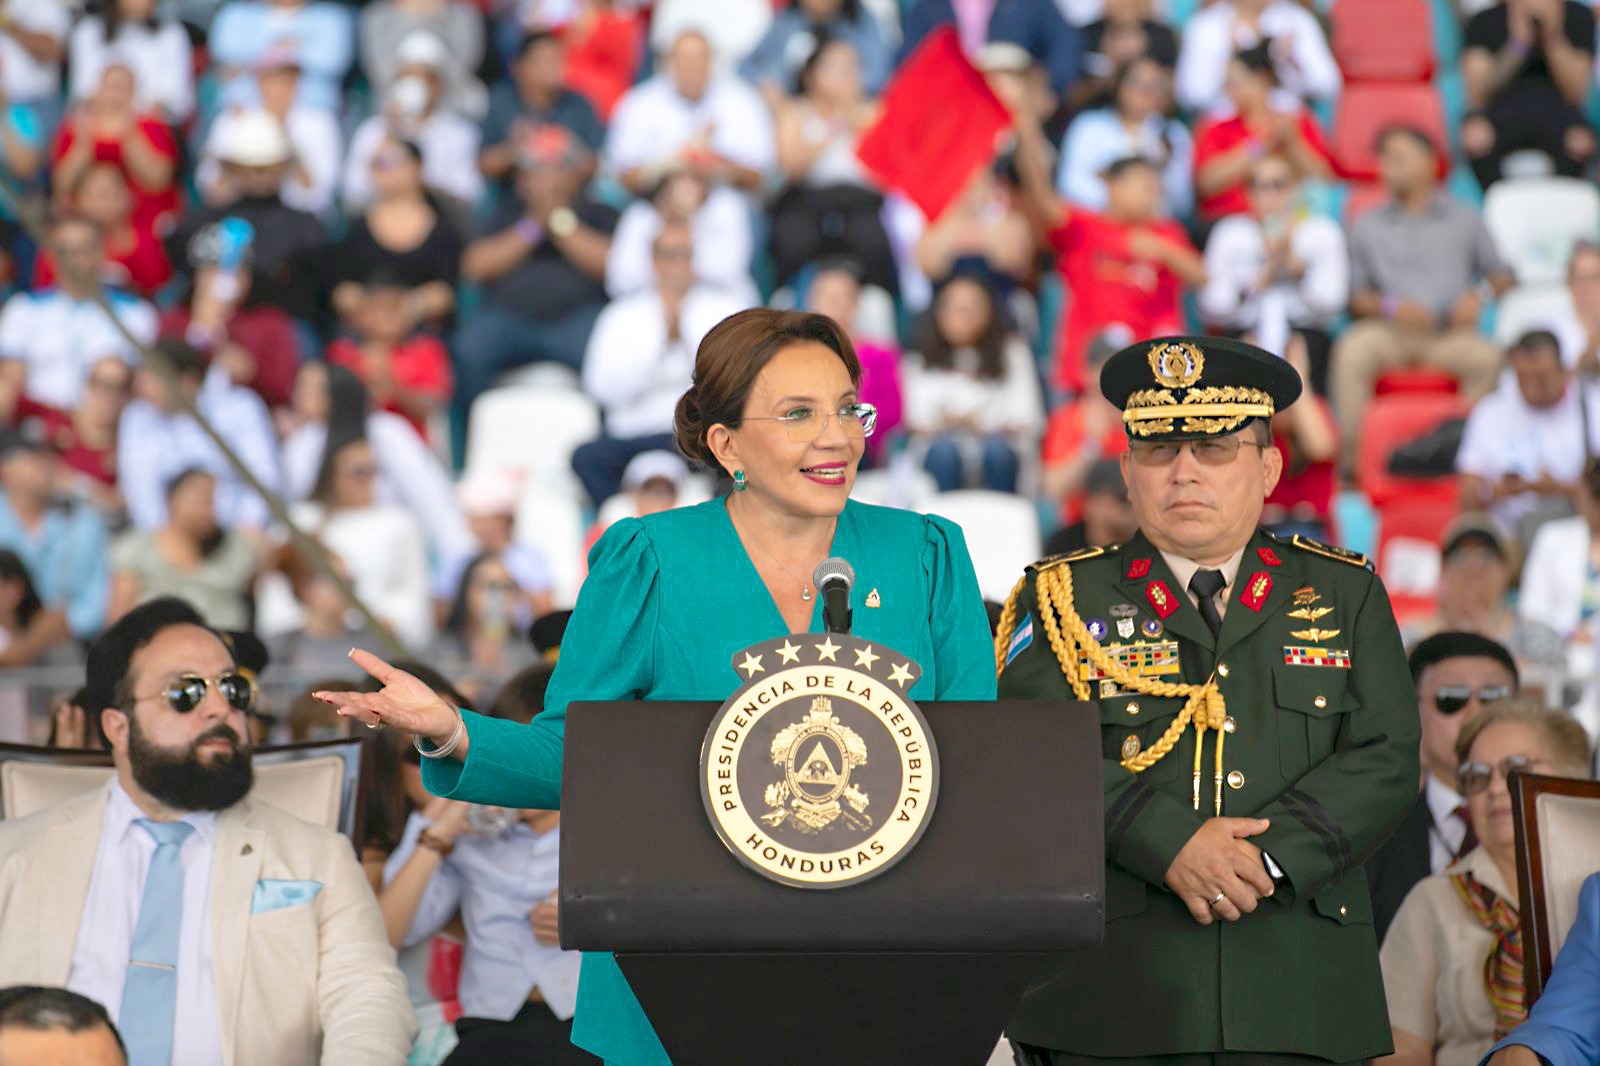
60,338
653,122
634,372
1305,65
161,59
1445,830
1236,252
1183,571
1504,435
449,145
111,912
722,247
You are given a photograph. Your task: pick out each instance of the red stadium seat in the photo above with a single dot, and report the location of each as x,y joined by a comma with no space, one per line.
1383,40
1395,419
1408,553
1416,379
1368,107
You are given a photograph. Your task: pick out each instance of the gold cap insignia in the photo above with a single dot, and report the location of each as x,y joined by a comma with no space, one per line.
1177,365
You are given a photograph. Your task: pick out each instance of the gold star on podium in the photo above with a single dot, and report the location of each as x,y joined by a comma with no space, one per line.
789,653
901,674
865,658
751,665
828,650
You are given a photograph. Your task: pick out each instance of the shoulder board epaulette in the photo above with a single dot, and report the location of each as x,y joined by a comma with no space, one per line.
1074,557
1343,555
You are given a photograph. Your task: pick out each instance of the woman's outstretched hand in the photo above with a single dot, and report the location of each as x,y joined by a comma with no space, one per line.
404,702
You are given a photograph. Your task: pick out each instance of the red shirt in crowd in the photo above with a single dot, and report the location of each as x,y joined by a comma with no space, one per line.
1216,137
420,364
1306,489
150,206
263,331
1063,438
137,260
603,50
100,464
1110,287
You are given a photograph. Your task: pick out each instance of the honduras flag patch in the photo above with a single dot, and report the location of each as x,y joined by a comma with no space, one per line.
1020,640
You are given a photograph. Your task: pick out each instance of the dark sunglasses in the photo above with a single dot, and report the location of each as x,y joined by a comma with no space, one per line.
187,691
1451,698
1474,777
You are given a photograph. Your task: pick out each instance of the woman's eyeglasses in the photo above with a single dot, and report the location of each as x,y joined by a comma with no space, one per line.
187,691
1451,698
806,424
1210,451
1272,185
1474,777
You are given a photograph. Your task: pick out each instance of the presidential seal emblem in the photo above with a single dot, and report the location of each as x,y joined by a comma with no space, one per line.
819,771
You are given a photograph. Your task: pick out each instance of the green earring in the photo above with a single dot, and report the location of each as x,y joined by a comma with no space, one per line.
739,482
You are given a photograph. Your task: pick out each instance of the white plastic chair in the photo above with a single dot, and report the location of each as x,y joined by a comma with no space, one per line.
1536,221
552,521
1530,307
1002,531
897,485
531,432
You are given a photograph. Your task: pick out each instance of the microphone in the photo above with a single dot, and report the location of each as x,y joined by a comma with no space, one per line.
833,578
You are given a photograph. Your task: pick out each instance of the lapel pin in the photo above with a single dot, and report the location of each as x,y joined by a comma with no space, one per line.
246,850
873,599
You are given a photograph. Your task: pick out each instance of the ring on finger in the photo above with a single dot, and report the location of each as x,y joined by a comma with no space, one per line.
374,725
1218,898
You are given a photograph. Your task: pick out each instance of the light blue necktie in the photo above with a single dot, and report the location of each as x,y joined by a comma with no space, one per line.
150,994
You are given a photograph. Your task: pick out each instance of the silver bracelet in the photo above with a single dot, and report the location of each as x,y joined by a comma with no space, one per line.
448,746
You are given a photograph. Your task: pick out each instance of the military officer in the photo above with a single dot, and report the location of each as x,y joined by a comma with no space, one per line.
1259,739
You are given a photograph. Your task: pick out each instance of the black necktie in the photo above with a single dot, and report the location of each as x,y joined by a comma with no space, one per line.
1205,585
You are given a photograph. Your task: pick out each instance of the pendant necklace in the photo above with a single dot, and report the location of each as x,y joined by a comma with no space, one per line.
805,583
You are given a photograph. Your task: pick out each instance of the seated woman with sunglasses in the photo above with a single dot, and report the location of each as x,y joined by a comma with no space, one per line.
1452,961
670,598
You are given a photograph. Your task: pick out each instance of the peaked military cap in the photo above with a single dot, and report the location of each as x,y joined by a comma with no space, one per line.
1185,388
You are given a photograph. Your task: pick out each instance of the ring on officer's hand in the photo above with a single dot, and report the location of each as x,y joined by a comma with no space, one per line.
1219,898
374,725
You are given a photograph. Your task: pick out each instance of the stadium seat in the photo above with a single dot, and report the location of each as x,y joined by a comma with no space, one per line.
1530,307
552,521
1416,379
1382,40
1408,552
532,432
1367,107
1536,221
1395,419
897,485
1002,532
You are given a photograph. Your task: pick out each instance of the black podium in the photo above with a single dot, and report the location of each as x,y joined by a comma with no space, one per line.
921,966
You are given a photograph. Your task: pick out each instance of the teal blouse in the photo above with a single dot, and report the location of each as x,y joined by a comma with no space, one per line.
669,600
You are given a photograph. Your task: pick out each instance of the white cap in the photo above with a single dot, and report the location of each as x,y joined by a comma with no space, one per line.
647,466
489,492
250,138
419,48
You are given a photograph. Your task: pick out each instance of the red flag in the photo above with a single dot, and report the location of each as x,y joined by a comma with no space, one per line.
939,125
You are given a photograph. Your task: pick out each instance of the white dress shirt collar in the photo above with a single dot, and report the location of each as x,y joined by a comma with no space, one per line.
122,812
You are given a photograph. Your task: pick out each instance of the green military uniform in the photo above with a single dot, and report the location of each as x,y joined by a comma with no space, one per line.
1300,710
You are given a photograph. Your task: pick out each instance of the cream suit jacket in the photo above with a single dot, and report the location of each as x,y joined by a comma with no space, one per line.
315,983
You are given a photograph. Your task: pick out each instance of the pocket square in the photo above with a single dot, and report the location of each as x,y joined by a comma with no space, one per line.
275,895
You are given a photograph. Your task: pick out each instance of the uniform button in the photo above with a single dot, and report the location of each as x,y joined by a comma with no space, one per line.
1229,725
1133,706
1222,669
1130,748
1235,779
1320,702
1343,910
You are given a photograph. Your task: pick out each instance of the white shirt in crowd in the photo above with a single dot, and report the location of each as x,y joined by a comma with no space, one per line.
449,146
161,59
653,122
634,372
409,474
23,79
733,27
59,338
318,148
111,912
1557,581
381,548
1011,403
1305,65
722,247
1236,253
1504,435
1445,830
155,446
1096,139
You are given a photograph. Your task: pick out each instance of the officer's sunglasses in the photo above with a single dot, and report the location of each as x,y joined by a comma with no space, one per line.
1210,451
1474,777
187,691
1451,698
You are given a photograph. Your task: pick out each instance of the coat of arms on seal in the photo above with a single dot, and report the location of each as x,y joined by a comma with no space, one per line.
819,771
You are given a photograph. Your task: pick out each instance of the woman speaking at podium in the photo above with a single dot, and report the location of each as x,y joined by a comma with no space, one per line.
774,410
